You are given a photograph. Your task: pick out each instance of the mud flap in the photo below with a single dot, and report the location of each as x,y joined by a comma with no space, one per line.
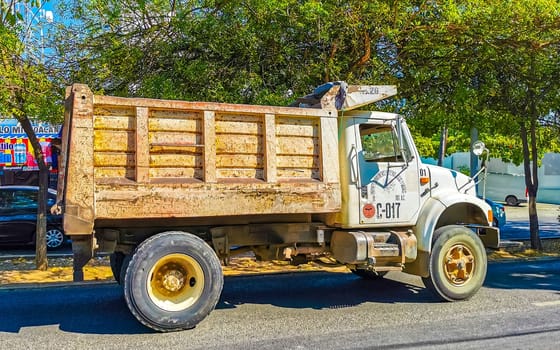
490,236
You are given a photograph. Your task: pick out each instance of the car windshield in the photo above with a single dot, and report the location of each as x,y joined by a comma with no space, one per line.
21,199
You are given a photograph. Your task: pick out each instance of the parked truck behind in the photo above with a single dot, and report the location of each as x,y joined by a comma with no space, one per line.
174,189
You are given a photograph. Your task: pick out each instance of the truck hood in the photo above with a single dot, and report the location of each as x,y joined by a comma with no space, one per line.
449,180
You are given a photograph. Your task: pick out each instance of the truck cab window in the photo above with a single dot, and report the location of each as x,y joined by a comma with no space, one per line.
380,144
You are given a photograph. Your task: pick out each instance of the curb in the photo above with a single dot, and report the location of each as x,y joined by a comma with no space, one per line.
37,285
67,284
518,259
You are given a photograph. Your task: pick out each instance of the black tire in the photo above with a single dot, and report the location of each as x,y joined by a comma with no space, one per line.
368,274
457,264
116,262
174,280
512,201
124,268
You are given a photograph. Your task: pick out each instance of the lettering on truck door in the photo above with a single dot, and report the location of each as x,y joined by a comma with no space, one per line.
388,183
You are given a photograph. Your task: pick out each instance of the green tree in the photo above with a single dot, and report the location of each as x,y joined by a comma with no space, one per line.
489,65
463,64
236,51
25,94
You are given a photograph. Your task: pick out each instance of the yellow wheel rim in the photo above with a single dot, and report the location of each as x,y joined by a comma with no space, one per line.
175,282
459,264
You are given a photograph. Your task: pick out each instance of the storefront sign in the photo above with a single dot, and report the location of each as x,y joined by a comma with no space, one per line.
15,148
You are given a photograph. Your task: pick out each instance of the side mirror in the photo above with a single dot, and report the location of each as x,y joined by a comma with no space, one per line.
400,139
478,148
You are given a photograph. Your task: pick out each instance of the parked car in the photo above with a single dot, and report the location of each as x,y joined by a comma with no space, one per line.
18,217
499,213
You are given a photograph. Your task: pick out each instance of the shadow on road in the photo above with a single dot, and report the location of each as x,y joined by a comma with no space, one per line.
95,309
318,290
101,309
537,274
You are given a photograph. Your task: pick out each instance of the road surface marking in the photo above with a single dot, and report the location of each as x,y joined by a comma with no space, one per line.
547,303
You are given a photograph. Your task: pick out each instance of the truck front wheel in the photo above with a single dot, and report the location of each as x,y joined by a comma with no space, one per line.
457,264
173,281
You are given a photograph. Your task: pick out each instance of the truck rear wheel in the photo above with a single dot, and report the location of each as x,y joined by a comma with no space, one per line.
173,281
457,263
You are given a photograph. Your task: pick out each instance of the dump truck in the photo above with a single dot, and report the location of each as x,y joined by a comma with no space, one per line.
174,189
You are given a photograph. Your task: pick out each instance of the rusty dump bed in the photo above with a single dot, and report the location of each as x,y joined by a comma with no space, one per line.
133,158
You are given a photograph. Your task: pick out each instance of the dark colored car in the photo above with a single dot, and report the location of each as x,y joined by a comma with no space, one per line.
18,217
499,213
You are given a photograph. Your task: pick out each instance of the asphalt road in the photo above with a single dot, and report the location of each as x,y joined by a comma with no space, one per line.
518,308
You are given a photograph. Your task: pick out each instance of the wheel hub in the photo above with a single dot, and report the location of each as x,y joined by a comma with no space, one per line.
173,280
176,282
459,264
54,238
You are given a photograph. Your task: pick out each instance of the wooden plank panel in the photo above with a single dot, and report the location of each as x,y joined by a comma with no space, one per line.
239,125
114,122
298,161
175,160
176,138
240,117
182,173
114,141
178,125
297,146
239,161
257,174
105,110
289,173
114,159
164,149
114,172
234,144
297,126
297,130
174,114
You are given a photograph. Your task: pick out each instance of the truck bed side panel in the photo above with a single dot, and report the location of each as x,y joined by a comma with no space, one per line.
130,158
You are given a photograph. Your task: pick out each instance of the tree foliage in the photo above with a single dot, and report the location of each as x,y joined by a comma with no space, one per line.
462,64
492,66
237,51
26,93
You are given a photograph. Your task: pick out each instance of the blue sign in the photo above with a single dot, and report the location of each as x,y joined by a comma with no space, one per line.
12,129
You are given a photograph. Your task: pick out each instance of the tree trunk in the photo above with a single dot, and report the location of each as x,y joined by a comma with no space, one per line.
41,261
532,184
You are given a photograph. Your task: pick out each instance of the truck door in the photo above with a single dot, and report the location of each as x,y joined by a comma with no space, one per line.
388,173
